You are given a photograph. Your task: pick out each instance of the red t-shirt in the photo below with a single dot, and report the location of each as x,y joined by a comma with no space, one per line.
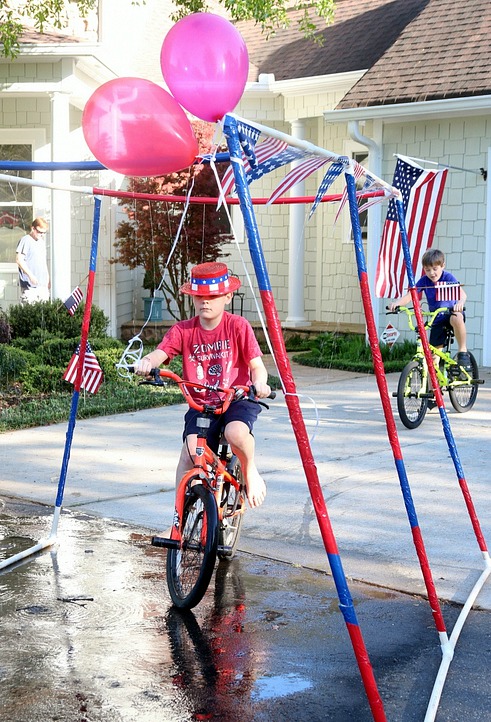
216,358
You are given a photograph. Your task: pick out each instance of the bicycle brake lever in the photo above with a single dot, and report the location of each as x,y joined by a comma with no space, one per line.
157,379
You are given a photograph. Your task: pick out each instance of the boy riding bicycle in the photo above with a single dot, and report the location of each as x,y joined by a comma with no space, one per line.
218,349
434,272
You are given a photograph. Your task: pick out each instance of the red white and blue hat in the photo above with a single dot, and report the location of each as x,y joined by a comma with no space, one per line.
210,279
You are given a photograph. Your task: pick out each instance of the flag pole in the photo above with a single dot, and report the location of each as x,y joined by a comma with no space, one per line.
298,425
51,539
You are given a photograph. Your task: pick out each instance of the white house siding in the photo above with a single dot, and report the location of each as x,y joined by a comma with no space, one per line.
330,278
461,229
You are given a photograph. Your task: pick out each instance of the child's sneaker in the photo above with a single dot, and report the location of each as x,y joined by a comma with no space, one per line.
463,359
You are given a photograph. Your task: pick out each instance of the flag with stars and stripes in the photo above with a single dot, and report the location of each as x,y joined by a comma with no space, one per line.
447,291
332,173
73,301
92,374
422,192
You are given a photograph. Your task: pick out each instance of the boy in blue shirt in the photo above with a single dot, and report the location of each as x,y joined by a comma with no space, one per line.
434,272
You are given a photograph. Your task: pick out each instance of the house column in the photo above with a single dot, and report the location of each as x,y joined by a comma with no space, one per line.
486,336
60,222
296,249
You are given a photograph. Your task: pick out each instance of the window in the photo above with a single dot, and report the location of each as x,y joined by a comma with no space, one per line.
361,158
16,206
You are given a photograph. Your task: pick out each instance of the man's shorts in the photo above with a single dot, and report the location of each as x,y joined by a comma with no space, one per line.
245,411
33,294
438,332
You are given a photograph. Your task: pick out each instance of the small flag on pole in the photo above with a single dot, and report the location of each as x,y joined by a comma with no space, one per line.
447,291
73,300
92,374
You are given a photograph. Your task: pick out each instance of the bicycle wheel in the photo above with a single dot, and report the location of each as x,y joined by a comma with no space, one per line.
411,406
190,568
463,396
232,504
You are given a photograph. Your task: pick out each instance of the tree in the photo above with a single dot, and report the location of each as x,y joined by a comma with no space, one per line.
268,14
146,238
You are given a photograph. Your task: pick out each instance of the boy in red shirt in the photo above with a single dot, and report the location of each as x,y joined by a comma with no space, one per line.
218,349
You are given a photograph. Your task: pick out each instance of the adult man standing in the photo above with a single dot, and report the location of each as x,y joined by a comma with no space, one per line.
30,257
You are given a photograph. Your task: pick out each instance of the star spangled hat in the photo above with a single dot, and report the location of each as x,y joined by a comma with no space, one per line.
210,279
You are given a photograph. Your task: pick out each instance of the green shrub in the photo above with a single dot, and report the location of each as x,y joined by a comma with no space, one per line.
13,361
42,379
52,317
5,329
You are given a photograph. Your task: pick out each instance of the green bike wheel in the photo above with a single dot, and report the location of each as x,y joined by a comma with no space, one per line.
190,568
411,405
463,394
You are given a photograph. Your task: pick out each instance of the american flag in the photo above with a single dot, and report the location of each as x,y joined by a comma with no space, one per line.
73,300
92,374
447,291
358,171
332,173
266,156
422,192
298,174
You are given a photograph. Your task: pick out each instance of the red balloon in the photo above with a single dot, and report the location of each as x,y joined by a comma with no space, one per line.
205,64
135,127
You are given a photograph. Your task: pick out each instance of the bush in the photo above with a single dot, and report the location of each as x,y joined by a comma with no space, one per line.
5,330
13,362
42,379
351,353
52,318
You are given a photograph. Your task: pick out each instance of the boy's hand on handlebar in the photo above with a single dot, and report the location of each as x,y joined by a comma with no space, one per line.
143,367
458,306
262,390
393,307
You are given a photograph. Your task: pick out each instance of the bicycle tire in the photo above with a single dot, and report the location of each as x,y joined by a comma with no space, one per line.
411,407
464,397
231,523
190,568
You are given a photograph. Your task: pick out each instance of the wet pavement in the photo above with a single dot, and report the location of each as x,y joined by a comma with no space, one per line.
87,630
88,635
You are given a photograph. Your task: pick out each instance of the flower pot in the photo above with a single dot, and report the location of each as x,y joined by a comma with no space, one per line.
152,311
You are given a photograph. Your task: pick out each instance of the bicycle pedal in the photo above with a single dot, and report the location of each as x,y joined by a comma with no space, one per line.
160,541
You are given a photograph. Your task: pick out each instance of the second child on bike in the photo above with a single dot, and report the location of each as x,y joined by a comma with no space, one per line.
218,349
434,272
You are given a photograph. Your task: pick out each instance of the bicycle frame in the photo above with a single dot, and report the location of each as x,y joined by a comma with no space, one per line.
210,467
442,375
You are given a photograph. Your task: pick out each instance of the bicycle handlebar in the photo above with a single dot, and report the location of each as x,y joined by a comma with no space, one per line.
234,393
429,315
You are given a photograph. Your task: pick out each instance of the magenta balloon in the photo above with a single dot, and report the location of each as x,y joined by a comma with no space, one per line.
134,127
205,63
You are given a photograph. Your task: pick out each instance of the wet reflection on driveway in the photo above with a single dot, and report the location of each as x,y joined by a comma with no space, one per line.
88,634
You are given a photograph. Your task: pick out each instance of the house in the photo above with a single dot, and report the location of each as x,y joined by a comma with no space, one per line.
392,76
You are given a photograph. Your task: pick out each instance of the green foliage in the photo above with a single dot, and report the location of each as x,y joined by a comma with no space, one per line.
28,12
268,14
42,379
50,318
5,330
351,353
13,362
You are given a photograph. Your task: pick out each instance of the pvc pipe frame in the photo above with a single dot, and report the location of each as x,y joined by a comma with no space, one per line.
447,644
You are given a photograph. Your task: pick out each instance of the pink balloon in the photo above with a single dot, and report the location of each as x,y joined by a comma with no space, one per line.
205,63
134,127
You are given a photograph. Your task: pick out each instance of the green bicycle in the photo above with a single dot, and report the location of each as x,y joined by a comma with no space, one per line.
414,391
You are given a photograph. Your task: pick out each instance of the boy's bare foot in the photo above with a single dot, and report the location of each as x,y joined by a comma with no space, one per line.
255,489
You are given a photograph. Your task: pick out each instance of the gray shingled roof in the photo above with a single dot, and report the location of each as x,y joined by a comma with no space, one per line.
362,31
445,52
413,50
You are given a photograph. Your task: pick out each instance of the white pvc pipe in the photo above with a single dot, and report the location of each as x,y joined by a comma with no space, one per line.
448,649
